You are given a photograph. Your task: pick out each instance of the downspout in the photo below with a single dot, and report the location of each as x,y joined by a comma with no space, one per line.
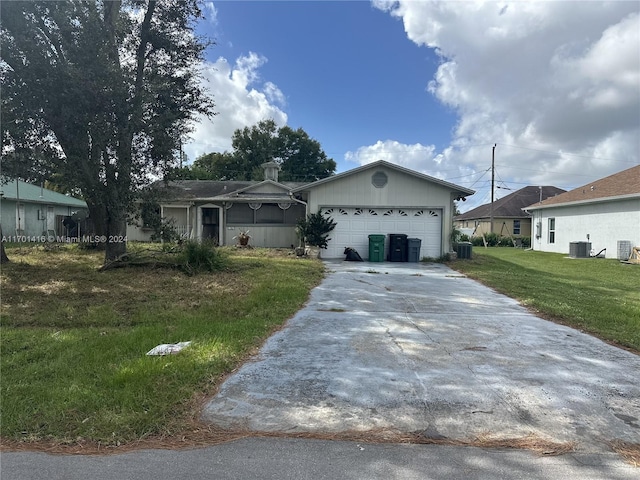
222,222
306,210
188,218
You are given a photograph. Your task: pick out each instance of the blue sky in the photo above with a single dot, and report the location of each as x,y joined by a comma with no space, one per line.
433,85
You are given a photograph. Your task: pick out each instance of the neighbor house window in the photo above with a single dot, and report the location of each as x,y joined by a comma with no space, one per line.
516,227
552,230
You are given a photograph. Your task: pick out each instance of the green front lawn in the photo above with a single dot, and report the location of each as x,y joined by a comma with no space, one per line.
74,340
596,295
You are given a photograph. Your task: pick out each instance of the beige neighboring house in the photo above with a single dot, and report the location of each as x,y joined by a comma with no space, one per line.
604,213
508,217
380,198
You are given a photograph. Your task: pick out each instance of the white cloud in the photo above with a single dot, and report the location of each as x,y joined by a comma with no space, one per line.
555,84
211,13
240,102
416,157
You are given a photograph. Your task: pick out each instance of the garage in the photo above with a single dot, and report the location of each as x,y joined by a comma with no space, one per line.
381,198
355,224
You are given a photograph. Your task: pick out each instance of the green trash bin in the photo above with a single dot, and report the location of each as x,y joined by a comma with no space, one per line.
376,248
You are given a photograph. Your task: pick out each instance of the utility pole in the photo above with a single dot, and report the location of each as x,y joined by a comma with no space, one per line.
493,177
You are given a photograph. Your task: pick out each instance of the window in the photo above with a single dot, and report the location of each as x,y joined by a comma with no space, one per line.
552,230
516,227
379,179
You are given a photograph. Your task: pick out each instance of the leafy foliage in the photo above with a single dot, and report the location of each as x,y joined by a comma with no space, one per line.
301,158
315,228
201,257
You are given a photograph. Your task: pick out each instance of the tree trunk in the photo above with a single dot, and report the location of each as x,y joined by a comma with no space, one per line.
116,243
3,254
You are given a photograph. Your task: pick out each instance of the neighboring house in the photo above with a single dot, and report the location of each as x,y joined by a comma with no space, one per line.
379,198
602,213
508,217
31,211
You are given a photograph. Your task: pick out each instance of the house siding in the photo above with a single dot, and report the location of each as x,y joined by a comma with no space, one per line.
501,226
606,223
268,236
401,190
33,222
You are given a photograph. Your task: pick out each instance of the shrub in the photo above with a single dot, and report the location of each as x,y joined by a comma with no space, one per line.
314,229
201,257
477,242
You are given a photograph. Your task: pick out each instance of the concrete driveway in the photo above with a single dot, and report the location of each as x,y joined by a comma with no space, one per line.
421,348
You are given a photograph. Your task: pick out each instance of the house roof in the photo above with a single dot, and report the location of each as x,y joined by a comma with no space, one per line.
26,192
623,184
216,189
380,163
511,205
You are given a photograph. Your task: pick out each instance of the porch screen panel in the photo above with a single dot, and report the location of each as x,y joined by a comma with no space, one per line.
270,213
293,213
240,213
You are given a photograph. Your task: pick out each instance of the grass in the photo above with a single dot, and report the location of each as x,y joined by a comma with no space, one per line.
74,340
599,296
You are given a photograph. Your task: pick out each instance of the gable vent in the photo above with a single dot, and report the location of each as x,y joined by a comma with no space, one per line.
379,179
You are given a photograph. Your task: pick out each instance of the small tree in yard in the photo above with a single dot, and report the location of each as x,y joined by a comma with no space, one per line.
314,229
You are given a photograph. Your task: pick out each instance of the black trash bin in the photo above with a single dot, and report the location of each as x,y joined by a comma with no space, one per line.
397,247
376,248
413,249
464,250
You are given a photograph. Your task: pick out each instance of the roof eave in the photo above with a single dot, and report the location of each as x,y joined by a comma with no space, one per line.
583,202
464,191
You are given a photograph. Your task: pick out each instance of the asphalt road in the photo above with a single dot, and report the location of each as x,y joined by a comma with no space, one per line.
287,459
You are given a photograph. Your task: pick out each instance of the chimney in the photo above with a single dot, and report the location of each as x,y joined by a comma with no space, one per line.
271,170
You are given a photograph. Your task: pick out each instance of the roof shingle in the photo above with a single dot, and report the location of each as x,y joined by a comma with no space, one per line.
511,205
619,184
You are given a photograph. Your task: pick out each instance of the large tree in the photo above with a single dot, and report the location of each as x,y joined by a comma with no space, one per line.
104,89
217,166
301,157
253,146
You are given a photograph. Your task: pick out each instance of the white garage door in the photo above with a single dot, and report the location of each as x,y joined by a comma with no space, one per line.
354,225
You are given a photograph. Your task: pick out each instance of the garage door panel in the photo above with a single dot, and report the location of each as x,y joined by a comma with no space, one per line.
358,225
354,225
373,226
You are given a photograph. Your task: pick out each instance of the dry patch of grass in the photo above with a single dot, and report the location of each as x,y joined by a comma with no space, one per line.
34,287
198,435
629,451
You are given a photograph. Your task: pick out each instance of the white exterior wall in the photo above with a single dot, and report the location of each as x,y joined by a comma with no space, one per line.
605,223
401,190
136,233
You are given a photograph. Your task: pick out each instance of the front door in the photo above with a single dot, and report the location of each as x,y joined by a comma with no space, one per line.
210,224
